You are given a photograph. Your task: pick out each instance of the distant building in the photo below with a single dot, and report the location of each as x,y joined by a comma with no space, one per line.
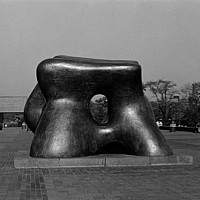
10,107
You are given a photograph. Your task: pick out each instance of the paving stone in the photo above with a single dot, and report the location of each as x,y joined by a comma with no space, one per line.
171,160
91,161
127,161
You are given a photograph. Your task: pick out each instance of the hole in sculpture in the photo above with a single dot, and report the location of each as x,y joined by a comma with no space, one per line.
113,148
99,108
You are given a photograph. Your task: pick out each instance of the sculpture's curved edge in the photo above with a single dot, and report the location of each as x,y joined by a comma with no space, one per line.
94,60
33,108
166,149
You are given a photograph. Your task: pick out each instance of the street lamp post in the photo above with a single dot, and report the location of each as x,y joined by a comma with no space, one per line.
179,116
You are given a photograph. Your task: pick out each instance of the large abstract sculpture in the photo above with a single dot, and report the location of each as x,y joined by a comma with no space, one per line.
58,109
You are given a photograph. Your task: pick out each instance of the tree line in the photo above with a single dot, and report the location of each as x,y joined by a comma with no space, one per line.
181,105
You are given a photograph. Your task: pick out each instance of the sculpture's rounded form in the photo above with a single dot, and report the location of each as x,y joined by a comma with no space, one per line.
58,109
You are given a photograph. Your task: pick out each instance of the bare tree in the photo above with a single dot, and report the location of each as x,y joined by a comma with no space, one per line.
185,91
163,91
193,106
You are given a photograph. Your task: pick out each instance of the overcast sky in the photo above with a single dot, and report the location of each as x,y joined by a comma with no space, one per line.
163,36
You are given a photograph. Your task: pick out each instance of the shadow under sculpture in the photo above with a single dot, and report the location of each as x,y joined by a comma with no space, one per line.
58,113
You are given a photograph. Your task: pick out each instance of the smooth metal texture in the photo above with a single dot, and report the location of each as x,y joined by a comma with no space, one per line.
58,109
33,108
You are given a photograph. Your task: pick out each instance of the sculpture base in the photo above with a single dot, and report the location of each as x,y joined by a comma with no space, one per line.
23,160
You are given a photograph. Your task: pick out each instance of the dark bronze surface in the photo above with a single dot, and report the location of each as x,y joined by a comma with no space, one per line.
58,109
33,108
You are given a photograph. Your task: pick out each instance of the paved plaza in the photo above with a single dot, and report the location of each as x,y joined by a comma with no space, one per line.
137,183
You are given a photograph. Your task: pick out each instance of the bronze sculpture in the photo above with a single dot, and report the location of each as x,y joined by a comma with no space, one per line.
58,109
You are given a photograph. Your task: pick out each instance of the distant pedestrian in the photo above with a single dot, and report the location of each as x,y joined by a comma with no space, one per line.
24,126
173,126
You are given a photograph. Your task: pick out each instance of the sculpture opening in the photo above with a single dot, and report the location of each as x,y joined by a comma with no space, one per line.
99,108
58,110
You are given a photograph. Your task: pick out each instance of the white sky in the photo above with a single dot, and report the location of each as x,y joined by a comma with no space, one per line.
163,36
